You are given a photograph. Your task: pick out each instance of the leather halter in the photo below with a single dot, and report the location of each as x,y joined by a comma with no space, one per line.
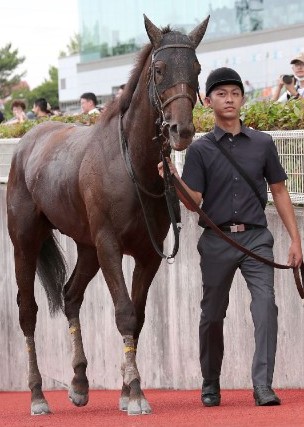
154,94
162,139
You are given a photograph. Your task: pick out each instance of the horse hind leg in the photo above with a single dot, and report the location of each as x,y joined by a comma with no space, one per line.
85,269
25,274
27,232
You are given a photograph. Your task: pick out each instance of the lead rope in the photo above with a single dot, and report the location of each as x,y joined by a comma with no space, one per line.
297,272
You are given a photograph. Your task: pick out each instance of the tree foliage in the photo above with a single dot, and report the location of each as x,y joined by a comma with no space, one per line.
73,47
9,62
48,90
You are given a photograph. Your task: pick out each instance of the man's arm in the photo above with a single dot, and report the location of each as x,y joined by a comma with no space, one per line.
196,196
285,210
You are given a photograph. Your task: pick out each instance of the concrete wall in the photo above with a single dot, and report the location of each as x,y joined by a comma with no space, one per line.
168,347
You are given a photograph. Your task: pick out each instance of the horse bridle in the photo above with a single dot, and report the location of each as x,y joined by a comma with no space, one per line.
161,138
155,96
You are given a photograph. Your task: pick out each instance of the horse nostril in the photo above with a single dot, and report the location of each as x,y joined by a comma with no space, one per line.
182,131
173,128
186,131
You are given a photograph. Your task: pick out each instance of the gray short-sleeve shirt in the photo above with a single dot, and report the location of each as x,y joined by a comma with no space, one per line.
227,197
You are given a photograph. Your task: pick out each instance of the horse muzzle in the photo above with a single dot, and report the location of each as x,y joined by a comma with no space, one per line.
180,136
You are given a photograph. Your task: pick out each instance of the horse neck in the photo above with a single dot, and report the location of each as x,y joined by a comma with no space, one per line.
140,129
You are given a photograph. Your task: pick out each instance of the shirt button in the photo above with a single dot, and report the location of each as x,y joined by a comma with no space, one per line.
235,212
236,178
235,194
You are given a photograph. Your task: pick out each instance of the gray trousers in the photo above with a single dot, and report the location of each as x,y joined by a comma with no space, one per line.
219,262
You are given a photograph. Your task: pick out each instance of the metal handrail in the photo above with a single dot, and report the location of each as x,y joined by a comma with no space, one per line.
290,146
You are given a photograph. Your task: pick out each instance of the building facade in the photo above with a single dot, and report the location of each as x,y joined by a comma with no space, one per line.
257,38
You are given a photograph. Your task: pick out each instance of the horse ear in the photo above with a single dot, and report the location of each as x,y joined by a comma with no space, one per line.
197,34
154,33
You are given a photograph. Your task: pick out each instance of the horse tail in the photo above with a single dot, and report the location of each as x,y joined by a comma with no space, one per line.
51,270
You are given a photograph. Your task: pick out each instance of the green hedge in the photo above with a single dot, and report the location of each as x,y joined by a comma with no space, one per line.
18,130
262,115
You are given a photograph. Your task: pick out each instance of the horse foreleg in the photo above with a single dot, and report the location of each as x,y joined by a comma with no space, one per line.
110,260
132,398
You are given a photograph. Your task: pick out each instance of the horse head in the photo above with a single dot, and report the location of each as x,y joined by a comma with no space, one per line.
173,80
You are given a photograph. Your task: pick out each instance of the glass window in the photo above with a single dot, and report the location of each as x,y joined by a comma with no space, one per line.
117,27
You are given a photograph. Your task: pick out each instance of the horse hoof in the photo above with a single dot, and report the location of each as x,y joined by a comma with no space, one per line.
78,399
40,407
123,403
145,407
139,407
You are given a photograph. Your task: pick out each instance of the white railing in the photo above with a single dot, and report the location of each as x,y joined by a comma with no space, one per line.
290,145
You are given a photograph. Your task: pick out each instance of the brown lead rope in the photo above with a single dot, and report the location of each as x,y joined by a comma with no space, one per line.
296,271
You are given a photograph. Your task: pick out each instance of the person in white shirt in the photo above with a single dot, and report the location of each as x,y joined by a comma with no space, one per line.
88,102
293,84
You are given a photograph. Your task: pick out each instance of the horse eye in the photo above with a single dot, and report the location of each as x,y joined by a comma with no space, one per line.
160,68
197,67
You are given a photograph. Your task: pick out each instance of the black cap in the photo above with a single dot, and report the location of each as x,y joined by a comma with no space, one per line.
222,76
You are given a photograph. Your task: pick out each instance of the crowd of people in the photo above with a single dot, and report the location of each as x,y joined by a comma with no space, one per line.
42,109
288,87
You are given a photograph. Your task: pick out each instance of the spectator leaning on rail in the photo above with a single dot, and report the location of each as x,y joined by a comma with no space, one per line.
293,84
18,110
41,108
88,102
230,203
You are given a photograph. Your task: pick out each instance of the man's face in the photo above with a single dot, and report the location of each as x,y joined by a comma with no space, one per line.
226,101
298,68
86,105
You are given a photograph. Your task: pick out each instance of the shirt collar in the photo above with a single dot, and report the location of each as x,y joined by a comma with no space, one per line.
219,132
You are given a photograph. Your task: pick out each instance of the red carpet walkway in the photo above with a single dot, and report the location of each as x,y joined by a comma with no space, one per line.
170,408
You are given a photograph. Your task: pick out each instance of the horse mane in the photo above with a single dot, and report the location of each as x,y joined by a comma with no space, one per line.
121,104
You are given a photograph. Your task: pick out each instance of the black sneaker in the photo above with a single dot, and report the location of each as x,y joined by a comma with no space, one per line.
211,393
265,396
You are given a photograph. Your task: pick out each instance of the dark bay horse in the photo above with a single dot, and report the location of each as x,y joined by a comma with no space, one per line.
74,179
